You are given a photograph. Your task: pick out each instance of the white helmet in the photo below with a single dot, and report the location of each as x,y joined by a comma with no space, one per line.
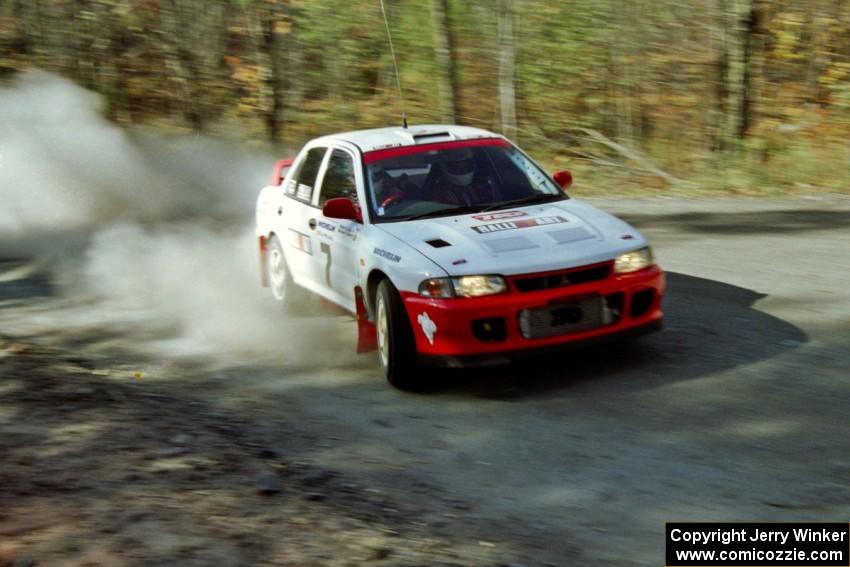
460,167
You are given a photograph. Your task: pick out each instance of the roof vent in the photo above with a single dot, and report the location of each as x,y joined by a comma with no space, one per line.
438,243
430,136
425,136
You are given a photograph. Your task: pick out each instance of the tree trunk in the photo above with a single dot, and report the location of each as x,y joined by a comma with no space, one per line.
444,54
507,57
721,82
752,47
170,28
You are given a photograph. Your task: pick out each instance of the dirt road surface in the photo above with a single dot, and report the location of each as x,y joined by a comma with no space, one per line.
119,448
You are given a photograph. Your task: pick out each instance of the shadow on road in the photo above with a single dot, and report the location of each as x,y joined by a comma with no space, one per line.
746,222
709,326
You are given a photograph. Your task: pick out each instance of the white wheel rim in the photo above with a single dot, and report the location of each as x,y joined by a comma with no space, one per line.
277,273
383,334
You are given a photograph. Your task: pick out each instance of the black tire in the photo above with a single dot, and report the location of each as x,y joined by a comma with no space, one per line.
396,345
284,289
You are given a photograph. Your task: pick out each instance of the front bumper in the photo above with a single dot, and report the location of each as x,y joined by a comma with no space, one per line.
457,327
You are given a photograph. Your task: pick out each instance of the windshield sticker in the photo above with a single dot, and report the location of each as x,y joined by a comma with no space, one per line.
429,327
511,225
498,216
388,255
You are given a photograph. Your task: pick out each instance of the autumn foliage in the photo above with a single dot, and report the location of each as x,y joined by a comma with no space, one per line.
745,95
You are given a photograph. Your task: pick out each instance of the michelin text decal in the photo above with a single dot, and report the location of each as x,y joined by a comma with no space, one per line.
388,255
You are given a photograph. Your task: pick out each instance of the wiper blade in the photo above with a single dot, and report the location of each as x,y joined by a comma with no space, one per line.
523,201
442,212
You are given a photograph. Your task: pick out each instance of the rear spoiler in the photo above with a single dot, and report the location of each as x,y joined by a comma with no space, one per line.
281,166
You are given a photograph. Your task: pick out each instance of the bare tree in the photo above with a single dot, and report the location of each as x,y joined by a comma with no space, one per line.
752,43
507,59
270,30
445,60
192,34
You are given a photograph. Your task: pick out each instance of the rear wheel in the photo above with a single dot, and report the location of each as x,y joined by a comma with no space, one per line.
396,345
280,281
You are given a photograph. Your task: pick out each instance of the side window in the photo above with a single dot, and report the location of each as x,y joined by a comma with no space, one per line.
301,184
339,178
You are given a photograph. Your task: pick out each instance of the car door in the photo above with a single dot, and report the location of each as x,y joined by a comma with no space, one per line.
295,230
338,238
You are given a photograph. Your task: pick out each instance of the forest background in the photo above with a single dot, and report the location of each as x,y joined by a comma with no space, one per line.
661,96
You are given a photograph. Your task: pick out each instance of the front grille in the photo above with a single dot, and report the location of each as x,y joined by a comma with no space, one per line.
565,317
563,278
562,318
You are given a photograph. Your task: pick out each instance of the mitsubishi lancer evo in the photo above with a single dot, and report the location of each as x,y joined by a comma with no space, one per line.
450,246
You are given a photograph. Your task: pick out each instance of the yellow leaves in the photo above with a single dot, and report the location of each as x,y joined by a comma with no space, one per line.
787,31
835,73
248,74
786,42
789,19
282,27
247,104
8,29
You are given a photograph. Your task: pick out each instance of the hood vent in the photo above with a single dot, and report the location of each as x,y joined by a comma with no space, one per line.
509,244
567,235
437,243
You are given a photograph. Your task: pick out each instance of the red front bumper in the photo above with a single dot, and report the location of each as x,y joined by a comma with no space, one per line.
458,321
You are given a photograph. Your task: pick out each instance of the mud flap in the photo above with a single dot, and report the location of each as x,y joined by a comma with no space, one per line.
367,340
264,277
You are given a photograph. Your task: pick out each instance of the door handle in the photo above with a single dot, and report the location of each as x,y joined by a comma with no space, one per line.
279,211
312,224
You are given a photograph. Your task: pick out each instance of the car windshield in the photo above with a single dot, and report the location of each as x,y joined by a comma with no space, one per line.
453,178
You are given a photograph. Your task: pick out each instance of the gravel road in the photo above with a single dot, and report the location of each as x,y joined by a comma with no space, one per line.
737,410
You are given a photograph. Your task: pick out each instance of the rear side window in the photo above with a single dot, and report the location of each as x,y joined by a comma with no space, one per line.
339,178
302,183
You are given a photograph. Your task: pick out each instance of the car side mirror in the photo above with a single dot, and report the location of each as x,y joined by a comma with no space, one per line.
563,178
341,208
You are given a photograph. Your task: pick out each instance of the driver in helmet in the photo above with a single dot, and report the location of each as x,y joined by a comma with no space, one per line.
457,183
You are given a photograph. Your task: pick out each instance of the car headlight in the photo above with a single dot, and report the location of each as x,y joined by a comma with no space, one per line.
437,287
463,286
633,261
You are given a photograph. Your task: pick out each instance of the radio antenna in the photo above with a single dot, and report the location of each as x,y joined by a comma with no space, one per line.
395,63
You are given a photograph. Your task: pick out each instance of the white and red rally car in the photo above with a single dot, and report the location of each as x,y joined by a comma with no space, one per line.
451,246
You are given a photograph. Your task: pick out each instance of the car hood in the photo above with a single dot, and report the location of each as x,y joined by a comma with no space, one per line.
530,239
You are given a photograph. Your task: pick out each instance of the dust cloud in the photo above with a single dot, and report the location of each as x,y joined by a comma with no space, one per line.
144,233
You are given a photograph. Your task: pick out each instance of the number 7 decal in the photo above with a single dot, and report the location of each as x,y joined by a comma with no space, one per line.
326,249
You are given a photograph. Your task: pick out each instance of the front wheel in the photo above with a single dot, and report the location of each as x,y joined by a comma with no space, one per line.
396,345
